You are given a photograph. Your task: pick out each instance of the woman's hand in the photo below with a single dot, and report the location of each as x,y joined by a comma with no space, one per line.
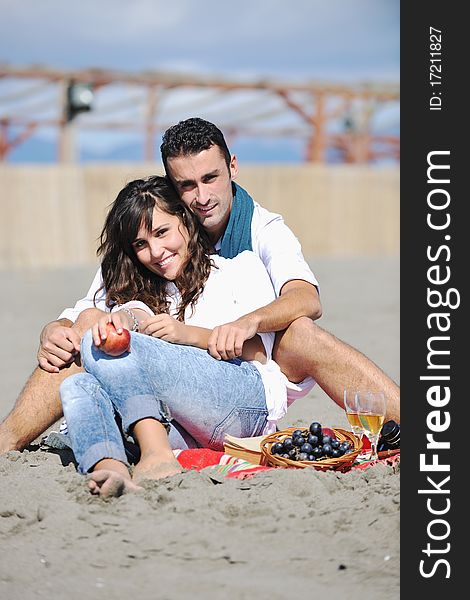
119,319
166,328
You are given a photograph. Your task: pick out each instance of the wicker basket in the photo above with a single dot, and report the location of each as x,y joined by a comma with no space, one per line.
343,463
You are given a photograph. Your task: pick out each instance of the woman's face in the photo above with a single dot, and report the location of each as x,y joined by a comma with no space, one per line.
164,249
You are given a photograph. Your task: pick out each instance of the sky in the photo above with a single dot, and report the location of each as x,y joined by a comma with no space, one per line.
300,40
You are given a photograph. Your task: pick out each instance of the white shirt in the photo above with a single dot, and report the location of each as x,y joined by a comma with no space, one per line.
281,255
278,248
238,286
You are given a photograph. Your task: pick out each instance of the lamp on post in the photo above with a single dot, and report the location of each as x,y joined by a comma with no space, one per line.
76,98
79,99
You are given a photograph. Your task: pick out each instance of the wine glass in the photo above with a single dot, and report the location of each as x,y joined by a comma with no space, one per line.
371,408
350,406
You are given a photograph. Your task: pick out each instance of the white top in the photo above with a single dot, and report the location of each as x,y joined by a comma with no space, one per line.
234,288
278,249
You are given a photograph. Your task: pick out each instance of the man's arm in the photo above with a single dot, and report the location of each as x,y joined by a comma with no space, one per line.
297,299
59,342
293,281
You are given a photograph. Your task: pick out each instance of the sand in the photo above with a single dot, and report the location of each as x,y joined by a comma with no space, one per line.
279,533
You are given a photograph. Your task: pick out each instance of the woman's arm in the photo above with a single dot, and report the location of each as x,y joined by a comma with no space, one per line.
169,329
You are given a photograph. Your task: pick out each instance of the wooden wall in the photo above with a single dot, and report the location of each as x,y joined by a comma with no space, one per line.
52,215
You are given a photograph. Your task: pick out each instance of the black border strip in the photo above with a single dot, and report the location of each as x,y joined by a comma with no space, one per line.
433,234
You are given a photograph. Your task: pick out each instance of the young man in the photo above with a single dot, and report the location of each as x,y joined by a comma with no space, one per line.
198,162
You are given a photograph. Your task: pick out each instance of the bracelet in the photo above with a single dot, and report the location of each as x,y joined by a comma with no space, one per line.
135,326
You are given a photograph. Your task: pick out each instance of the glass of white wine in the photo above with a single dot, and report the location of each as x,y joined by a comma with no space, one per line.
350,406
371,409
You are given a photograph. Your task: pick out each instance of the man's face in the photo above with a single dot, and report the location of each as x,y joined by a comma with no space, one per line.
204,184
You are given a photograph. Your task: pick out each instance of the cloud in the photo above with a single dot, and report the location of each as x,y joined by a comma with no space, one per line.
313,38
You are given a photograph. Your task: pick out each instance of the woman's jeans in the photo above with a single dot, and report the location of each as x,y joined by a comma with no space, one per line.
205,398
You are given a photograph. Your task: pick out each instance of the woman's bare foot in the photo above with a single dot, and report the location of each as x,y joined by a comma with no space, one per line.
111,478
156,466
109,484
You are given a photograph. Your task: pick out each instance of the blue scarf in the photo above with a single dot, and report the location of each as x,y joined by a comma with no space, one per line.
237,236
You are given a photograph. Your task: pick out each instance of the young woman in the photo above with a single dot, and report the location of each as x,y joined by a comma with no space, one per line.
162,282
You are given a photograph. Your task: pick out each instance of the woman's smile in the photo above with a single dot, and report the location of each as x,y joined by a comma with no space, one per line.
166,261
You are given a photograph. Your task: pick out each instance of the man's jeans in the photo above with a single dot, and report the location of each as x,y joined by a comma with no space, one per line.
206,398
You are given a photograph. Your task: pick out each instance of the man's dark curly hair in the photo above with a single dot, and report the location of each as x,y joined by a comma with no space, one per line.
191,137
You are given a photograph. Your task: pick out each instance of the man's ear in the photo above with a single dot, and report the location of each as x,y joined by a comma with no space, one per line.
233,167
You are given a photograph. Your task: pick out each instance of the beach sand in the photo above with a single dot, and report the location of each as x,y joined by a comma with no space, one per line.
279,533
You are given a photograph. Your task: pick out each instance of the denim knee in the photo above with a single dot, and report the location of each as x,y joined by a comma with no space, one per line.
94,360
86,348
67,389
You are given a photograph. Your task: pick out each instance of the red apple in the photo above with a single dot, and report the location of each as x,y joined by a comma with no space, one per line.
115,343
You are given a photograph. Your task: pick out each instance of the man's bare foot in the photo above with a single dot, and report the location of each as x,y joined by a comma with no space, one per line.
108,484
156,466
6,444
12,438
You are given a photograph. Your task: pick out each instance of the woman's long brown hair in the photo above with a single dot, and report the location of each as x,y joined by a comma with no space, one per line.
124,277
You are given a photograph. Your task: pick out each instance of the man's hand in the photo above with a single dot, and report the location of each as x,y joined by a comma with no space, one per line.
166,328
58,346
226,341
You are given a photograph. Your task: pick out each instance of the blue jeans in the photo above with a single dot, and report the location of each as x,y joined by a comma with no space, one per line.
206,398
